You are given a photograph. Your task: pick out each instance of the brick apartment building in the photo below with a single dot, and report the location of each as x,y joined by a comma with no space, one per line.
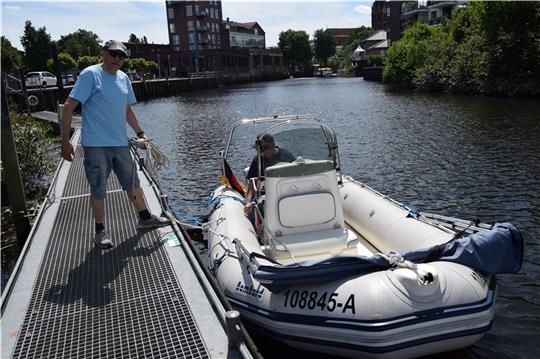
395,16
200,41
341,35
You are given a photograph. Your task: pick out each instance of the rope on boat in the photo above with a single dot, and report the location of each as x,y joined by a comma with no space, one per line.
396,260
217,262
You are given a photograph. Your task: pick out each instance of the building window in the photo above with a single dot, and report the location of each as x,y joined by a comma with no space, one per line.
189,10
191,37
172,29
170,13
190,25
176,39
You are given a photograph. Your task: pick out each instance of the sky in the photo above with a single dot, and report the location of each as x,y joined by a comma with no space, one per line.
119,19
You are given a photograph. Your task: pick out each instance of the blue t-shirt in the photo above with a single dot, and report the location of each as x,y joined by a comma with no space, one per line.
104,98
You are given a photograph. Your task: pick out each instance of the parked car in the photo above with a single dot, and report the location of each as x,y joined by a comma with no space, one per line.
68,79
40,79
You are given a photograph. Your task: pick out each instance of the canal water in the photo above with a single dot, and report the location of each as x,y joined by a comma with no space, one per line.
462,156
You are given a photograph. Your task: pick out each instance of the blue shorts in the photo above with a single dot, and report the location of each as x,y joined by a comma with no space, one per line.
98,162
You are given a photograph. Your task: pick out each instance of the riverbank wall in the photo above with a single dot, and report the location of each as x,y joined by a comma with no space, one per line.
47,99
371,73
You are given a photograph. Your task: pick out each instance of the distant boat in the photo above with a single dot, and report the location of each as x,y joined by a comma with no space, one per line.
324,72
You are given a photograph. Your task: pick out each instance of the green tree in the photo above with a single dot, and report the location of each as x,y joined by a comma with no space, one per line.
138,64
66,62
324,45
151,66
85,61
295,48
490,47
512,34
408,53
80,43
11,58
128,64
36,44
359,34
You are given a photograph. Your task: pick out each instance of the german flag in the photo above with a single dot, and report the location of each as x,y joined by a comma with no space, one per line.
228,179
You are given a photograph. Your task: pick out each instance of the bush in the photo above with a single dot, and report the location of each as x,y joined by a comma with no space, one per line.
408,54
36,153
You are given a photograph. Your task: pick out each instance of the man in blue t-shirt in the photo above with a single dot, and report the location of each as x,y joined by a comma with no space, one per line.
106,95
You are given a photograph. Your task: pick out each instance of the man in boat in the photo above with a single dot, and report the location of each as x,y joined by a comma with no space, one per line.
106,95
270,154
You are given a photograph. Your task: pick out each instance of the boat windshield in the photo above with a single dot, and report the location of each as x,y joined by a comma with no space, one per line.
306,138
306,142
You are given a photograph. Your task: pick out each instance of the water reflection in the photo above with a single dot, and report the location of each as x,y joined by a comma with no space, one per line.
464,156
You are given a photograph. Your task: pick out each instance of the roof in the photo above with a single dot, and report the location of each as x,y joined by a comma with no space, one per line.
244,25
249,24
381,45
378,36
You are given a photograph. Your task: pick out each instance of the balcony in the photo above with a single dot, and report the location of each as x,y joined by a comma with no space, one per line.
441,4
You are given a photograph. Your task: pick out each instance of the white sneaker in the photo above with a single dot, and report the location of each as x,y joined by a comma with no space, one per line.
103,240
153,222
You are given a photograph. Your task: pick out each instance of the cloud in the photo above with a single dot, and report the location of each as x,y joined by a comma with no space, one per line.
362,9
11,7
277,17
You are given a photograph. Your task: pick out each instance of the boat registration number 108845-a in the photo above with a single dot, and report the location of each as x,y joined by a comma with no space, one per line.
315,300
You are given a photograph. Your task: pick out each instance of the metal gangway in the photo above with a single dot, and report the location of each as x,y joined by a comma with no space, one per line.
148,297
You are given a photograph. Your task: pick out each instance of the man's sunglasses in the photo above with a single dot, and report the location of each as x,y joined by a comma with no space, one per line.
116,53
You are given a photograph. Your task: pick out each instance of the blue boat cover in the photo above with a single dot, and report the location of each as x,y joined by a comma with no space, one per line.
497,251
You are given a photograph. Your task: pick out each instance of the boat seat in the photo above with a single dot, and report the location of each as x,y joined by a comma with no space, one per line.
302,208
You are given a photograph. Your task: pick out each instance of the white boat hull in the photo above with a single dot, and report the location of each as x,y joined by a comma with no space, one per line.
380,314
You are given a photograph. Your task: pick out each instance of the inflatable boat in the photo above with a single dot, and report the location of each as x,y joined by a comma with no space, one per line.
328,264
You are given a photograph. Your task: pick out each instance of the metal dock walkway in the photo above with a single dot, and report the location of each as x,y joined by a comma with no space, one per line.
146,297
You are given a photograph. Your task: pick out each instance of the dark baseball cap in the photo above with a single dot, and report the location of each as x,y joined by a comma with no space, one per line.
116,46
265,141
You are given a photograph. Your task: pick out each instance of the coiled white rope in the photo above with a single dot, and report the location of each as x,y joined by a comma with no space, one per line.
155,155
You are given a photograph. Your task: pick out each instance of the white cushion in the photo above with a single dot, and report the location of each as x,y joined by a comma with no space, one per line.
293,213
